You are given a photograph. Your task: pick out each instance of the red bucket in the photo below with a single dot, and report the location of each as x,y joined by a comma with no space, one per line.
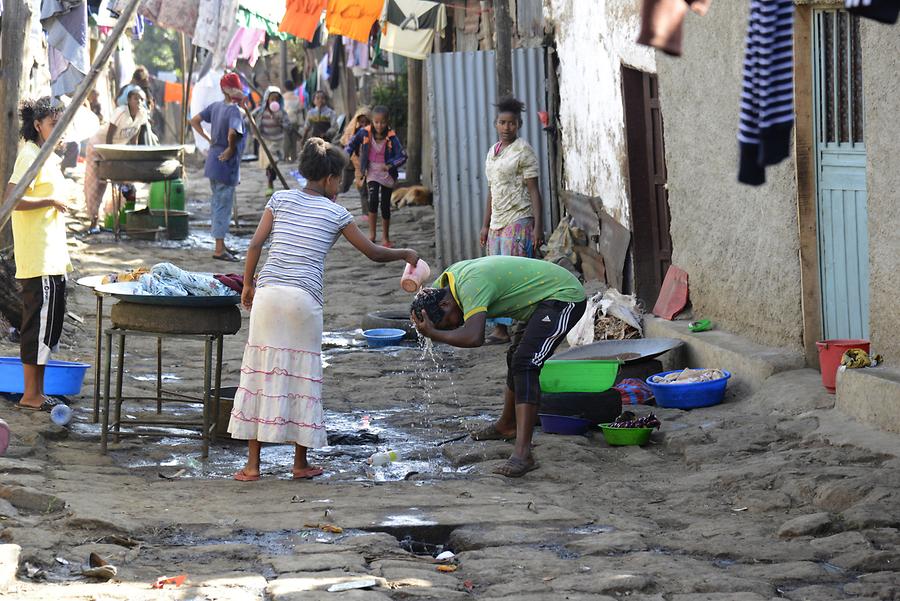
830,353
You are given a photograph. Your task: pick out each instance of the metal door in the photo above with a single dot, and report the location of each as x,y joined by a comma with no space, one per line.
461,97
840,174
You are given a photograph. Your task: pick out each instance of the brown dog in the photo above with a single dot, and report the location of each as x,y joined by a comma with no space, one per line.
416,196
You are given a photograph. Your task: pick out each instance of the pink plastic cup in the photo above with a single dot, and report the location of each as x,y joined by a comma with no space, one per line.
413,278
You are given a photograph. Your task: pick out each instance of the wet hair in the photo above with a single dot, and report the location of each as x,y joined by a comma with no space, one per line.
289,84
319,159
508,104
429,301
36,110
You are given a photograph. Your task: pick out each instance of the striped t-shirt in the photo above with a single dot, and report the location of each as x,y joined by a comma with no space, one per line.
304,230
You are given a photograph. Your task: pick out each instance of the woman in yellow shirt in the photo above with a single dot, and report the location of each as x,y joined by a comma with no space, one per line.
39,236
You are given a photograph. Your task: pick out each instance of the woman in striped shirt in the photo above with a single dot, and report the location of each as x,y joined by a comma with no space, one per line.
279,399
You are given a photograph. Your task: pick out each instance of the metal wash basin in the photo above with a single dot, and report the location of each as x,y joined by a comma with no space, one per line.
627,351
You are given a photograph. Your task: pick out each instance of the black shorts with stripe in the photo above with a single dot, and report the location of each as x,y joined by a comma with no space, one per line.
534,342
43,312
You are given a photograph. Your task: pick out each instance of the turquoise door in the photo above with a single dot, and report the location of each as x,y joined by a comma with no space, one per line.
841,175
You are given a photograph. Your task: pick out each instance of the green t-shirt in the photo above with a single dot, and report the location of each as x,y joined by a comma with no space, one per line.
508,286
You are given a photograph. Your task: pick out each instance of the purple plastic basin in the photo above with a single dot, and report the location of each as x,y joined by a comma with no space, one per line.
563,424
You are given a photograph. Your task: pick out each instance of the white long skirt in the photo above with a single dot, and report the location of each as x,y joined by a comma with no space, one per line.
280,396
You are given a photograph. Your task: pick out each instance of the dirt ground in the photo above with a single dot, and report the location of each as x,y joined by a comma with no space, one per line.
774,496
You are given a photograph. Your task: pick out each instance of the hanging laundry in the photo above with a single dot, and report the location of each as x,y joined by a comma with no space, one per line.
254,14
148,8
767,98
883,11
245,44
215,20
65,22
336,63
411,25
301,18
180,15
662,21
322,75
353,18
357,53
172,92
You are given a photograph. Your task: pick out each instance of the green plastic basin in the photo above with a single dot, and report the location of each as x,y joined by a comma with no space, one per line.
579,375
623,437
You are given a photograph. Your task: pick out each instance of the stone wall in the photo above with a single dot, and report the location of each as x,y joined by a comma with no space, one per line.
739,244
881,87
594,40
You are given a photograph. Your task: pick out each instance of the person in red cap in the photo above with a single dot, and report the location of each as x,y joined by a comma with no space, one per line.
223,163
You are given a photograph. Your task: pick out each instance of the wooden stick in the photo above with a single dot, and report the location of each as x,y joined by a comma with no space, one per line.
265,148
78,99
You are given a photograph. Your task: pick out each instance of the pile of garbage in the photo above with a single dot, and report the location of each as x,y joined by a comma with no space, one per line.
610,315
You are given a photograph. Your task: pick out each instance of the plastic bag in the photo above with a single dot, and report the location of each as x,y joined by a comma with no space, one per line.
154,286
583,332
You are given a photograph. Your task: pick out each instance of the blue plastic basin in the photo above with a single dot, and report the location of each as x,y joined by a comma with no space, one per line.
563,424
60,377
384,336
688,396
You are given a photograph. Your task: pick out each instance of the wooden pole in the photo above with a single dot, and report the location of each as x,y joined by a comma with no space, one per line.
503,53
78,99
262,144
414,121
16,19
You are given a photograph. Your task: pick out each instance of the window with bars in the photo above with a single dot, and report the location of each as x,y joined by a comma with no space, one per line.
838,83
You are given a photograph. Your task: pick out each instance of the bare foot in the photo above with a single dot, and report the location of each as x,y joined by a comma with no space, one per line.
307,472
33,403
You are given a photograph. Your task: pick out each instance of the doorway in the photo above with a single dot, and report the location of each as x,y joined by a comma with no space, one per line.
651,242
840,157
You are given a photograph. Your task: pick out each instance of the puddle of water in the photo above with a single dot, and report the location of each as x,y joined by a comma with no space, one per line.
592,529
723,563
560,550
152,378
831,568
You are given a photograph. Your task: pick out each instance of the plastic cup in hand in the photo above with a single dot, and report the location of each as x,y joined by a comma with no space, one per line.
414,277
61,414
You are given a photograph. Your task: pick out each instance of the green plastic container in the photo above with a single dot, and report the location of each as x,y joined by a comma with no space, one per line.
178,225
579,375
157,199
123,216
625,437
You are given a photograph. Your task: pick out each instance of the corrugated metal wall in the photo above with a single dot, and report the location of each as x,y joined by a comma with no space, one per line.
461,95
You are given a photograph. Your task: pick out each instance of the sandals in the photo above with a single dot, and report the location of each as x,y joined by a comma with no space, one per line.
490,432
242,476
226,256
307,473
516,468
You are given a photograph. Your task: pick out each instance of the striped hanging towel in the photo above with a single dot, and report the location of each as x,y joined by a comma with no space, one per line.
767,98
884,11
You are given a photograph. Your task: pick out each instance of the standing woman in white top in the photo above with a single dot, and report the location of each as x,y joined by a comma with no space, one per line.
280,396
123,128
513,223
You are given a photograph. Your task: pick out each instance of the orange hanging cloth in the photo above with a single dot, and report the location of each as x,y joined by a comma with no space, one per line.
173,92
353,18
302,17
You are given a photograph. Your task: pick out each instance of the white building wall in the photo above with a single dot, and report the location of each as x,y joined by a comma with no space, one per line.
594,38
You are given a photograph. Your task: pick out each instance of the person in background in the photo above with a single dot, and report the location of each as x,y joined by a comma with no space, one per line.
546,297
274,124
140,79
513,223
223,163
380,155
353,174
280,394
123,128
292,107
39,238
320,120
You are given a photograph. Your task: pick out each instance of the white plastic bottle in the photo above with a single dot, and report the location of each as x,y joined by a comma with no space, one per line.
61,414
383,458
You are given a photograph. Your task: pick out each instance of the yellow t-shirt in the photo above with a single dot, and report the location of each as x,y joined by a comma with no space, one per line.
39,235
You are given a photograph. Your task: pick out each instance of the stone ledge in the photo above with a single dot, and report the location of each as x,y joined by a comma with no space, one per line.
871,396
750,363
